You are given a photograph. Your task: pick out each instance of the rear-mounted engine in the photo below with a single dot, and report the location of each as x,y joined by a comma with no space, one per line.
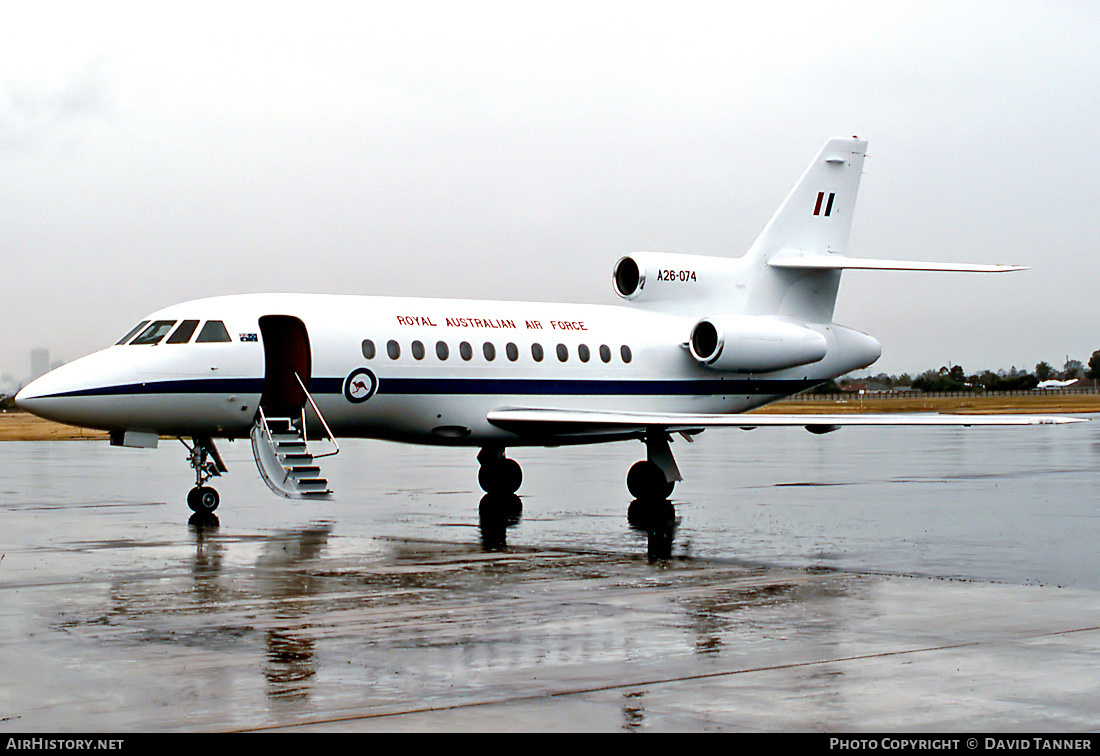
670,277
752,344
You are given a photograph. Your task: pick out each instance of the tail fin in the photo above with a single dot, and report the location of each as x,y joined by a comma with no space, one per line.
817,214
814,219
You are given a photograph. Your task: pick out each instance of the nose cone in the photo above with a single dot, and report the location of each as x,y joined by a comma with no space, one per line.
29,397
65,394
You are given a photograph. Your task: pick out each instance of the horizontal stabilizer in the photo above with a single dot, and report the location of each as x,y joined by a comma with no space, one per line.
570,422
840,262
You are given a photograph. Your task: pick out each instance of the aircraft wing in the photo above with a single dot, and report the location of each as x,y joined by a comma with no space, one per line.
559,422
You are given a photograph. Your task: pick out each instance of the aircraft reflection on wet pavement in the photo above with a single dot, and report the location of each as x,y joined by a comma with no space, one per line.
298,600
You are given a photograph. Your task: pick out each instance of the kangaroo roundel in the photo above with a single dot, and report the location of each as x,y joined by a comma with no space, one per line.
360,385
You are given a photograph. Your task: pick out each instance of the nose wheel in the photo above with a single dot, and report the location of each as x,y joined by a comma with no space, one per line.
207,463
203,499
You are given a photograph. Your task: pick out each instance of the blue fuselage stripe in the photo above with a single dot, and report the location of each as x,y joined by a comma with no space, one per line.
469,387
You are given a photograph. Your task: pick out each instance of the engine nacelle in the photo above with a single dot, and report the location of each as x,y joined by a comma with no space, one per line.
670,277
754,344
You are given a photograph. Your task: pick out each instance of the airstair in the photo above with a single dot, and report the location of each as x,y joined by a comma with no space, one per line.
286,457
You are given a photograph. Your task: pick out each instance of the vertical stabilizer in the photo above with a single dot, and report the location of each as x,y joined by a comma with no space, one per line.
815,218
817,214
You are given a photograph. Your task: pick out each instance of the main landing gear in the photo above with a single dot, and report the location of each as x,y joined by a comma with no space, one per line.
651,478
498,474
207,463
650,481
654,477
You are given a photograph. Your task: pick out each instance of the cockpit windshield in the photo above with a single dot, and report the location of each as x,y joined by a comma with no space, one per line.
183,334
213,331
130,335
154,333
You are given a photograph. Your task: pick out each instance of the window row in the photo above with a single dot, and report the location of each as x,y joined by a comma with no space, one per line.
213,331
489,350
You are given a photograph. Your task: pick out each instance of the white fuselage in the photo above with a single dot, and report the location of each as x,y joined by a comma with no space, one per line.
454,362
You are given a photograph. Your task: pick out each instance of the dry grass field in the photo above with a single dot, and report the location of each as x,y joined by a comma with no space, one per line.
21,426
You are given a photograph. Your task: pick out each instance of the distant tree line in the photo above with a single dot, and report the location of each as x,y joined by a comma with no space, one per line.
955,378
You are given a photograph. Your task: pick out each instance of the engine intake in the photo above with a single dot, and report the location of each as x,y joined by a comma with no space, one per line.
754,344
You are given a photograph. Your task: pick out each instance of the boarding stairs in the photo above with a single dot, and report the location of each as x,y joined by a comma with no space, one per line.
286,457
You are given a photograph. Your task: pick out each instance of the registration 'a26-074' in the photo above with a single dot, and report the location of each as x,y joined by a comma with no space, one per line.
676,275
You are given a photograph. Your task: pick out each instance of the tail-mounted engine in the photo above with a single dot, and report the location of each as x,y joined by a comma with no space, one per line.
754,344
647,277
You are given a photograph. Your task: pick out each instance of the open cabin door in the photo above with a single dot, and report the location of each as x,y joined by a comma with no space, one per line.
280,442
286,354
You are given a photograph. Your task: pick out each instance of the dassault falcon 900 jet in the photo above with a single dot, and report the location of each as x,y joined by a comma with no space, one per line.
696,342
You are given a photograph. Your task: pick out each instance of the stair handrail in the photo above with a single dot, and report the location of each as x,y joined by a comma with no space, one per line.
263,420
320,417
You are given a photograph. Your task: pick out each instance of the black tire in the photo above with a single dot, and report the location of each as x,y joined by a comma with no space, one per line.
203,499
647,481
501,476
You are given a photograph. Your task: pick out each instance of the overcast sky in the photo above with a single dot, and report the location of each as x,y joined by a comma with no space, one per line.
154,153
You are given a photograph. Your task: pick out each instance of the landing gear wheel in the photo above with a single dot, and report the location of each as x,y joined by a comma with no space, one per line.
203,499
500,476
207,463
646,480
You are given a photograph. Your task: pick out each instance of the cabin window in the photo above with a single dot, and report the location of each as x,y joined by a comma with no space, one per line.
536,352
417,350
368,349
154,333
133,331
465,351
393,349
184,333
512,351
563,352
442,351
214,331
583,353
605,353
489,351
625,352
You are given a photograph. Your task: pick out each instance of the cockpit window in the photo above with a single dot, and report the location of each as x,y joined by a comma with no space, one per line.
154,333
133,330
214,330
184,333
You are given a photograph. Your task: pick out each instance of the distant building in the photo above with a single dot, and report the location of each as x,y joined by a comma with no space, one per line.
40,363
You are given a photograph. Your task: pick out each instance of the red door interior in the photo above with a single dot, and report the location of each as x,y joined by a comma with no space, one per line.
286,353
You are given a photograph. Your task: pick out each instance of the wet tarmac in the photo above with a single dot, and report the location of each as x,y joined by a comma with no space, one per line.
939,580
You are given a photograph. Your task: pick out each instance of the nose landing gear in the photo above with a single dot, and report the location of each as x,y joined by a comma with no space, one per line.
207,463
203,499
